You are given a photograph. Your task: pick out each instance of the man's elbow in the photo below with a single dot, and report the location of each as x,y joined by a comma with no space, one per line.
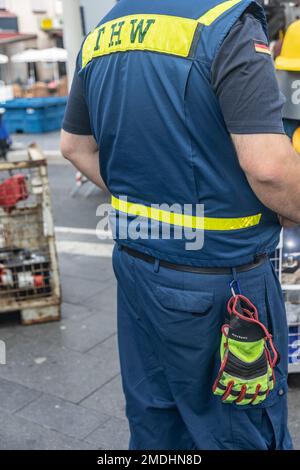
270,173
67,153
264,157
67,148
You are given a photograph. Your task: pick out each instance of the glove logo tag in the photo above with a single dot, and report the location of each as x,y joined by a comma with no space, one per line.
239,337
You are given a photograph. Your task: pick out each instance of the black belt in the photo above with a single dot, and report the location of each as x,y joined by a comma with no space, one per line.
258,261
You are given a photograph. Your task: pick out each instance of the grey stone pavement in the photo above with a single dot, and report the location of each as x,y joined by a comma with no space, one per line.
61,386
48,141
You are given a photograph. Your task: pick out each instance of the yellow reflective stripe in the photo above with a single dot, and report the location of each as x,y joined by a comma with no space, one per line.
183,220
212,15
157,33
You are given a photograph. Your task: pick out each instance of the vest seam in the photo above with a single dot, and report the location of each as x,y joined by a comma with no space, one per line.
226,34
190,138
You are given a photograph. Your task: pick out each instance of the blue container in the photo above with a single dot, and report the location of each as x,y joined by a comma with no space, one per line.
34,115
294,344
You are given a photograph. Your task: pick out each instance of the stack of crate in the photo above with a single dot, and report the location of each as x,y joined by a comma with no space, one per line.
291,291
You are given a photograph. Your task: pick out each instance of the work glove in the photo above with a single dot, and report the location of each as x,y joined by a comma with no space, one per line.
248,356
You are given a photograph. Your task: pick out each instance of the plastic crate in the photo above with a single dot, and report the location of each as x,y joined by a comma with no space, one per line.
34,115
292,298
294,346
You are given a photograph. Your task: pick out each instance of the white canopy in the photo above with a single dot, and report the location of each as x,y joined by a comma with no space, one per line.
27,56
3,59
53,54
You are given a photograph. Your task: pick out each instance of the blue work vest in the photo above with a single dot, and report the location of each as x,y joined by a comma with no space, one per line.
164,146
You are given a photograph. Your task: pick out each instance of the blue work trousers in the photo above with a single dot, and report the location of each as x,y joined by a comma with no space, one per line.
169,332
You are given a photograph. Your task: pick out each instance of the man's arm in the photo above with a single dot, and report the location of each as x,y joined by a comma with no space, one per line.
272,167
245,83
77,142
82,151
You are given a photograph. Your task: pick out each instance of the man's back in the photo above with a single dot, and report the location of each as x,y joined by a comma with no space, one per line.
161,131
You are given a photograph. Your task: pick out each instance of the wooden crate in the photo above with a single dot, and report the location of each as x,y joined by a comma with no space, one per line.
29,273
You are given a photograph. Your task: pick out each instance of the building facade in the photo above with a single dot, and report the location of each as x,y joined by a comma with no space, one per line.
29,24
26,24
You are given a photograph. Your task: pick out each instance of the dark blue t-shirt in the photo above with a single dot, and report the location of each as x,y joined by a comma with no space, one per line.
243,77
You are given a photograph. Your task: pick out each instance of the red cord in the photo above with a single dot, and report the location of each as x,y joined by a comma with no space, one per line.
225,333
252,317
242,394
258,387
228,390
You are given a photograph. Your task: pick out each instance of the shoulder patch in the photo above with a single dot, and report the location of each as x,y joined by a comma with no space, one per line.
261,47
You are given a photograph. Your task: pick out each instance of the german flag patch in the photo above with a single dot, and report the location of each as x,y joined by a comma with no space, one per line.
261,48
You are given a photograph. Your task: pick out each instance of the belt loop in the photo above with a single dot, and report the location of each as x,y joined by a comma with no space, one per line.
234,275
120,247
156,266
235,282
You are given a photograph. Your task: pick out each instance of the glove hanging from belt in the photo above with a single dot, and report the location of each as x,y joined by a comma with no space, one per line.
248,356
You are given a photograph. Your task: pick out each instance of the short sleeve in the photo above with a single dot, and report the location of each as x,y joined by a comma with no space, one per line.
244,80
77,119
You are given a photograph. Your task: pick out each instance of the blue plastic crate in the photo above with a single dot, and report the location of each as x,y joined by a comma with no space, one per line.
294,344
34,115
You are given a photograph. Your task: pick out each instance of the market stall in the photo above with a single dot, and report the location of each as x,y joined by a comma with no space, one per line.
38,107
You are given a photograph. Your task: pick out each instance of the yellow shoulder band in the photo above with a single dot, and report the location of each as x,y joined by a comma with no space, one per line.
156,33
212,15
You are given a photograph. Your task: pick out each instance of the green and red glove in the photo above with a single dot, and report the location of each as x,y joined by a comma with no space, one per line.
248,356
